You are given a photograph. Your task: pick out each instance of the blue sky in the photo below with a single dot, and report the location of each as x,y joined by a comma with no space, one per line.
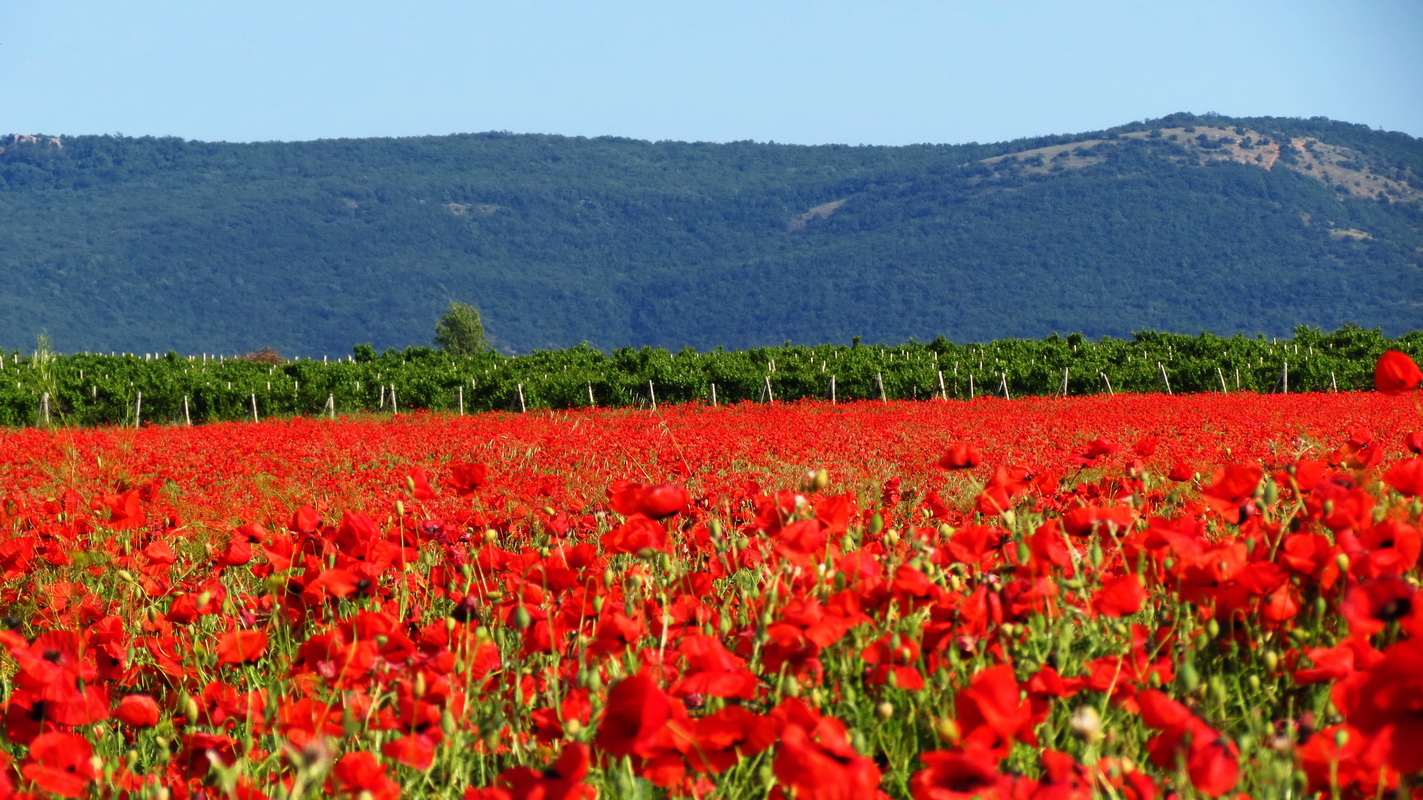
799,72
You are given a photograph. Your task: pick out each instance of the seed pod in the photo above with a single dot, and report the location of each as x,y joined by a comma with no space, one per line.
522,618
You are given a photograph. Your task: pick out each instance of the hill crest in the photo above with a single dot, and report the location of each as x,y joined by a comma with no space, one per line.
152,244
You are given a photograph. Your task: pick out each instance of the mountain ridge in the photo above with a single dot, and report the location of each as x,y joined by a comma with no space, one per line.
154,244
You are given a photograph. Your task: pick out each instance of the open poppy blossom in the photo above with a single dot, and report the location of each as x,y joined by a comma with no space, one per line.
961,456
1396,373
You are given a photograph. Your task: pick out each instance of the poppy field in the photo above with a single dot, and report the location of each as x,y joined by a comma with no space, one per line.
1140,596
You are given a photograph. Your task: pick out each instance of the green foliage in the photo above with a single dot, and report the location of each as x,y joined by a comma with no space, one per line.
460,331
150,244
95,389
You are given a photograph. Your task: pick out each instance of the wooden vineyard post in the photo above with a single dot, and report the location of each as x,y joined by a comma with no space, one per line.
254,407
591,402
44,407
652,394
1164,379
394,407
186,416
382,397
138,410
970,386
1003,376
832,390
943,392
1064,381
1285,377
522,407
1221,375
879,381
331,405
713,395
1109,384
1333,386
461,398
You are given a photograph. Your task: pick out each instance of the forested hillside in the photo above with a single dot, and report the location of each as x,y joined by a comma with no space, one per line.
1183,224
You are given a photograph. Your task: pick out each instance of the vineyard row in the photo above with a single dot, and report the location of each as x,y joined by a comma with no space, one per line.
87,389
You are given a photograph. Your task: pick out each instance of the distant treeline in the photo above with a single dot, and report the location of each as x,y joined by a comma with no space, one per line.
44,388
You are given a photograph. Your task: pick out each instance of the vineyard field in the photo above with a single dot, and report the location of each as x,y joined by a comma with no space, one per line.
42,388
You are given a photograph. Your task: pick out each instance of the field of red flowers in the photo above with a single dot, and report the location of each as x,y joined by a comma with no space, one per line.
1128,597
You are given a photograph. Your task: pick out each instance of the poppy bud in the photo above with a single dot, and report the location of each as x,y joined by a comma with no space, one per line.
522,618
190,708
1190,678
948,732
1272,493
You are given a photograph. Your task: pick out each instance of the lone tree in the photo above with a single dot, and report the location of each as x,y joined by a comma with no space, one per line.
460,331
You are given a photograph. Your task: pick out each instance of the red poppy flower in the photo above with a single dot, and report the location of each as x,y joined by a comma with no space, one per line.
1414,441
637,711
60,763
358,773
137,711
1231,488
240,647
466,479
664,500
1406,477
562,780
305,520
820,764
992,711
1341,757
1120,596
418,481
636,534
1396,373
961,456
1388,700
960,775
1212,761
